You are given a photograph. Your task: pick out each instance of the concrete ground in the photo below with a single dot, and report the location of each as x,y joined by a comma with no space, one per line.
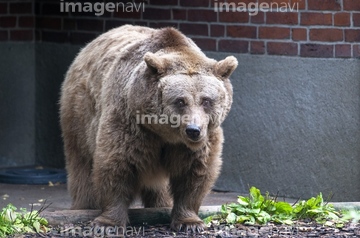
24,196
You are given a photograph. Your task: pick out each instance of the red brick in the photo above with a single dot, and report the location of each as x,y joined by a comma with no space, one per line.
351,5
229,5
324,5
257,47
179,14
314,18
232,5
299,34
21,8
202,15
140,23
205,43
316,50
356,19
217,30
194,29
241,31
69,24
162,2
21,35
3,8
282,48
118,8
281,5
352,35
235,46
163,24
127,15
90,24
4,36
26,21
274,33
342,19
157,14
52,9
82,14
237,2
236,17
192,3
343,51
275,1
289,18
110,24
356,51
301,4
329,35
7,22
48,23
258,18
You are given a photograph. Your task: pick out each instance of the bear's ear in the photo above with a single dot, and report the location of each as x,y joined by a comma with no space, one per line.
224,68
155,63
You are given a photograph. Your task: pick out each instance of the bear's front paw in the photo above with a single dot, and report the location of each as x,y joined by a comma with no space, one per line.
104,221
194,224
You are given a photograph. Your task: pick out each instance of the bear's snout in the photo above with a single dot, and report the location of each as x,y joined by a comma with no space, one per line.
193,132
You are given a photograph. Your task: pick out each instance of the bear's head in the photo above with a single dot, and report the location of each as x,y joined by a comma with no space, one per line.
193,95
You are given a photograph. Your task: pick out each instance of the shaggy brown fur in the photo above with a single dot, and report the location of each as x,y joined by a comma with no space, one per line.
111,158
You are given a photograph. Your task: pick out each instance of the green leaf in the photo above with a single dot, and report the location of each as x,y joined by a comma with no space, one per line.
36,225
223,208
255,195
251,221
254,211
243,201
260,209
231,218
242,218
12,221
208,220
283,207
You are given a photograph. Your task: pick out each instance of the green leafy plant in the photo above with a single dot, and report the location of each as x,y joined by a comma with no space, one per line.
259,209
14,222
351,215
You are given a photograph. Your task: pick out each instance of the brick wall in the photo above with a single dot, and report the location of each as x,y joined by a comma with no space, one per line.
314,28
17,21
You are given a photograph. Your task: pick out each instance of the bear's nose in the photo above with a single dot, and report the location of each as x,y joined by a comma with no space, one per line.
193,132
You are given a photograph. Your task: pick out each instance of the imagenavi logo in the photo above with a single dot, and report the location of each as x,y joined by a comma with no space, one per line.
99,8
253,8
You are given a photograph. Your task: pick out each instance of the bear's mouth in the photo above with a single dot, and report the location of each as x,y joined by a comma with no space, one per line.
194,145
195,140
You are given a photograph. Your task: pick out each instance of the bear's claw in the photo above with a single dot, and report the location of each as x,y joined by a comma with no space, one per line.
194,227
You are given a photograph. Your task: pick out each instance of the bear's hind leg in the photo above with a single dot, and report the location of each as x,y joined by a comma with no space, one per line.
79,182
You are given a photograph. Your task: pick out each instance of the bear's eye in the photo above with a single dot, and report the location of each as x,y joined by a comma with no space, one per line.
180,103
206,102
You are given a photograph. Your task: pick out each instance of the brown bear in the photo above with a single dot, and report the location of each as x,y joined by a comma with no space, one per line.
118,106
